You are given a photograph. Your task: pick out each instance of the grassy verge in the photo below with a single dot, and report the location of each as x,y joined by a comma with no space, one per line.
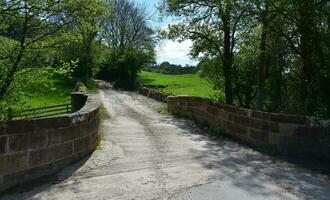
36,89
39,90
186,84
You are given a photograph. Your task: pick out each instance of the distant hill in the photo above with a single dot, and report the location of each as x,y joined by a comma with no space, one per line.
167,68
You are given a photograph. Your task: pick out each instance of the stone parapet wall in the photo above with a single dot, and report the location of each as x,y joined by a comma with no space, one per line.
30,149
154,94
284,133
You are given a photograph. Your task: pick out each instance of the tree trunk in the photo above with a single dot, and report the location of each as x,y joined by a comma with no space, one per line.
262,65
88,62
88,58
306,53
227,58
4,88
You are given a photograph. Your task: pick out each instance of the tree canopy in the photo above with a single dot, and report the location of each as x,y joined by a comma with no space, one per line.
266,54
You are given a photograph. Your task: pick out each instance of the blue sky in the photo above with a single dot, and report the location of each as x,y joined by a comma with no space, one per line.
167,50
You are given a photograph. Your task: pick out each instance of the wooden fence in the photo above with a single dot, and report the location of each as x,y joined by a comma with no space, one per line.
42,112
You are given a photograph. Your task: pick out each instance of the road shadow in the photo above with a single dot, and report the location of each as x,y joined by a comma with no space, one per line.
246,166
31,188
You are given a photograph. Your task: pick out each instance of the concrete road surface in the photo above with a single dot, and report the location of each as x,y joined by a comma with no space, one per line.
147,155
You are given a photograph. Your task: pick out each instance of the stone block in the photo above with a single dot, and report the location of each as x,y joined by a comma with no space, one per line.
82,130
64,162
243,120
254,123
92,126
194,103
231,117
60,136
232,109
20,126
70,133
287,118
38,157
261,136
3,144
81,144
16,178
270,126
182,103
13,162
94,138
38,141
52,123
60,151
229,108
18,143
287,129
260,115
235,129
213,110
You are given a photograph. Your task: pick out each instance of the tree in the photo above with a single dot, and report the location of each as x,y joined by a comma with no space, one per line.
212,25
88,24
35,20
302,24
130,40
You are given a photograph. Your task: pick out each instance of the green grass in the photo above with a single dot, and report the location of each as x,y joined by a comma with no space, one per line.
41,90
59,93
186,84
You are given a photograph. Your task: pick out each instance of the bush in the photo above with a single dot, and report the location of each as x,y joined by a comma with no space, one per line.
123,66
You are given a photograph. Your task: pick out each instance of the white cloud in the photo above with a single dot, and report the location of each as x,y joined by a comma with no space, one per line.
174,52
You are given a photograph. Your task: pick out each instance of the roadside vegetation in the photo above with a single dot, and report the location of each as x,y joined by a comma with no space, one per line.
264,54
49,48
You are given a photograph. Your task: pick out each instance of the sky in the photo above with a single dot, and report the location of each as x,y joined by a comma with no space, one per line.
167,50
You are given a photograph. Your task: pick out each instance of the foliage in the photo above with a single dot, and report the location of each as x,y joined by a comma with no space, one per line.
167,68
213,27
47,45
124,65
130,41
37,88
265,54
211,70
30,23
86,28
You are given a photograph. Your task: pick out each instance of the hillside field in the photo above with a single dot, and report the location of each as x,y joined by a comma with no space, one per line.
186,84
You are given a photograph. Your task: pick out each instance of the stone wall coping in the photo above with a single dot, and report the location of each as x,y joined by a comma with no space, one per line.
278,117
93,103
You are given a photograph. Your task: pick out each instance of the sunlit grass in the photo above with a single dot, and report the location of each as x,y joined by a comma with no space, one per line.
186,84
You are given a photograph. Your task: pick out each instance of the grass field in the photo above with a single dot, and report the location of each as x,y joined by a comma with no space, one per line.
41,90
186,84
